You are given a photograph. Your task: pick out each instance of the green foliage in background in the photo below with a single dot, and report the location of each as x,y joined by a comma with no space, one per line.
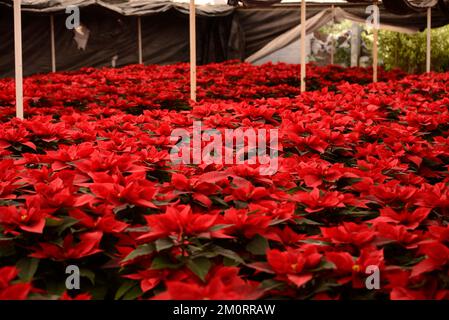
408,51
396,50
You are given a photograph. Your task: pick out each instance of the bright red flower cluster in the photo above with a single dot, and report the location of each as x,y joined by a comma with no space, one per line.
86,179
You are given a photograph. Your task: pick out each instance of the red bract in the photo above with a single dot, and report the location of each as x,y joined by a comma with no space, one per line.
436,256
9,290
180,222
30,219
81,296
410,220
349,233
223,283
148,278
107,223
246,223
118,190
8,179
87,245
317,200
294,264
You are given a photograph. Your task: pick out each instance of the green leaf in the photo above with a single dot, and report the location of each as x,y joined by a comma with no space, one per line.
240,204
317,242
219,200
142,250
307,222
27,268
138,229
160,203
65,223
229,262
7,250
200,267
163,263
122,207
124,288
271,284
220,226
133,293
162,244
50,222
258,246
228,254
88,274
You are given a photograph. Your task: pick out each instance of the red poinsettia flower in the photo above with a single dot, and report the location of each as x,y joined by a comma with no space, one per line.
349,233
107,223
318,200
293,264
179,221
222,283
88,244
436,256
348,268
243,190
30,218
245,222
8,179
9,290
200,187
117,190
148,278
410,220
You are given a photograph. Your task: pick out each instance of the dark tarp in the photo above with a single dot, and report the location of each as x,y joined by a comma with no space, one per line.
123,7
222,32
165,38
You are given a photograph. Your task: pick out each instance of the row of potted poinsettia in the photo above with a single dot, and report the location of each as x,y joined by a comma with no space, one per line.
360,188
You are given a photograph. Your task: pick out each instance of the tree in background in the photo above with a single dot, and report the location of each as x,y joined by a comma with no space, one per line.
408,51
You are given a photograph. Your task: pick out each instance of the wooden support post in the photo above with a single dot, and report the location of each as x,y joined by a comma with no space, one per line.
53,47
303,45
429,33
18,58
139,39
192,19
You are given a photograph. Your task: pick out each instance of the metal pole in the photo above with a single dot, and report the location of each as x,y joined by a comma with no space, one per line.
18,58
429,29
192,51
139,39
53,48
303,45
